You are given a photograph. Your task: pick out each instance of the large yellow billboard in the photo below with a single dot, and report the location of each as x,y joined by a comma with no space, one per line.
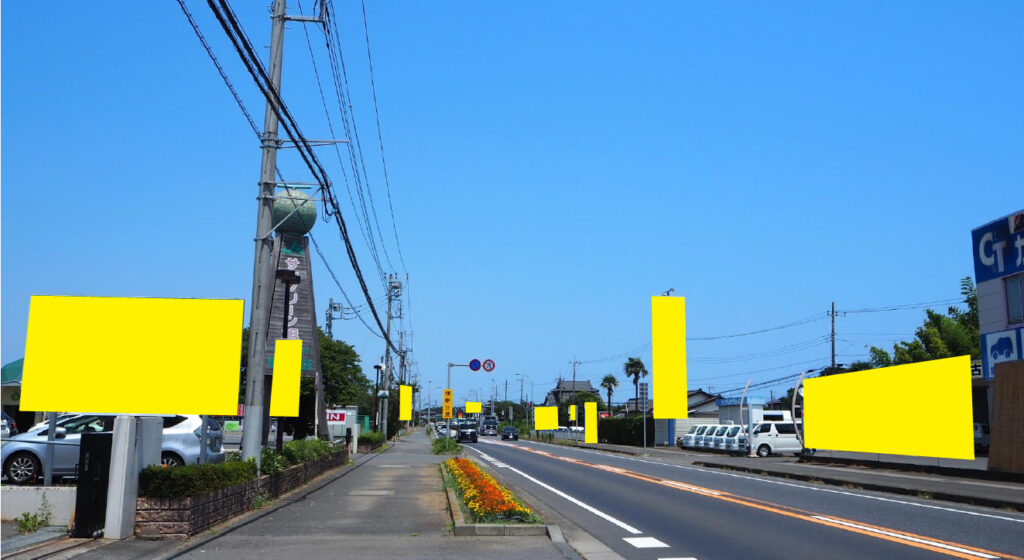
132,355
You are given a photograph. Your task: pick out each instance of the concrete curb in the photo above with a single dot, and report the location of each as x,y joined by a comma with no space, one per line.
462,529
902,490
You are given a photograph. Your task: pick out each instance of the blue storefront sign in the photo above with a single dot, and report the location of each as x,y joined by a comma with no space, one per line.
1000,346
999,248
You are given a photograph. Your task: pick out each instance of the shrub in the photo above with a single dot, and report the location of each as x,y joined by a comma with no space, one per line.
372,439
305,450
193,480
272,462
625,431
439,446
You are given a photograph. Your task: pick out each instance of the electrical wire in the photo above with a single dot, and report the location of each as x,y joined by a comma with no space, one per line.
380,137
905,306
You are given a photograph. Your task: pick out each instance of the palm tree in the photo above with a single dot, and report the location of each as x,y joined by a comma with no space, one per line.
635,368
609,383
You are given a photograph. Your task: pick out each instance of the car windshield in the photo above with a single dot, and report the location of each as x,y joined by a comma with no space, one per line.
509,429
693,429
721,431
733,431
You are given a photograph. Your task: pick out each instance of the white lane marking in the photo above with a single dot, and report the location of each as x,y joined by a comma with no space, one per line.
687,558
629,528
792,485
645,542
907,538
372,493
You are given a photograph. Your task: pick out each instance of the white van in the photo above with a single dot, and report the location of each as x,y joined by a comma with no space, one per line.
736,439
775,437
709,440
687,439
709,432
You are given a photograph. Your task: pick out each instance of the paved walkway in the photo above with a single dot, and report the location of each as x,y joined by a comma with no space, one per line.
389,505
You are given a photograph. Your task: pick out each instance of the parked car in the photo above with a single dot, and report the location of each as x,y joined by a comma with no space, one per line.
709,430
510,432
5,429
775,437
10,427
981,437
22,455
466,431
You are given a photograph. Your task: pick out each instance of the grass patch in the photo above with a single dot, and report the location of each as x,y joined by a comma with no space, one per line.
438,446
32,522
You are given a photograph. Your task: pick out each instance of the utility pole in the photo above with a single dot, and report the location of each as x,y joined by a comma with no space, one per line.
262,274
333,308
394,290
574,364
833,314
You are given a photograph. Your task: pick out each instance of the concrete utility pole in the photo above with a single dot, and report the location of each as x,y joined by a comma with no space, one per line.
574,364
394,291
263,273
833,314
333,308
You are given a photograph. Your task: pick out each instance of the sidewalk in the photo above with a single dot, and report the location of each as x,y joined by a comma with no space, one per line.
387,505
966,485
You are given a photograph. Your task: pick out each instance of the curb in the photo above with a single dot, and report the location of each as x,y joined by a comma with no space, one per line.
914,492
462,529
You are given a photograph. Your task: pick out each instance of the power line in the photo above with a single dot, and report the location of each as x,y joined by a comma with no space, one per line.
906,306
323,259
380,137
804,321
788,349
252,63
220,69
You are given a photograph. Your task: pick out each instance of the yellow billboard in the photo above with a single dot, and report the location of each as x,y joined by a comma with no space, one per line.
668,359
284,388
572,412
132,355
473,407
545,418
405,402
921,409
590,422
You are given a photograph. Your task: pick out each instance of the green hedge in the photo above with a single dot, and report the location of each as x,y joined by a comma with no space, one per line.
625,431
193,480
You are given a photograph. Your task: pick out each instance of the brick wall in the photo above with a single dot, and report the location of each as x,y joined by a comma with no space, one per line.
181,518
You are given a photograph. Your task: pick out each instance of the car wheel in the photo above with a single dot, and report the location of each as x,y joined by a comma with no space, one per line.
22,468
169,459
763,450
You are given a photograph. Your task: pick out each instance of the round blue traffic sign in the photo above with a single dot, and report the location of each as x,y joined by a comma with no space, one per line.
474,364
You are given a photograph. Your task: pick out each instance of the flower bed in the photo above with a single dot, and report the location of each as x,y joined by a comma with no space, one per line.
486,500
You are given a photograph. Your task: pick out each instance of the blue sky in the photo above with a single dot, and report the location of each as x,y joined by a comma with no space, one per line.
551,166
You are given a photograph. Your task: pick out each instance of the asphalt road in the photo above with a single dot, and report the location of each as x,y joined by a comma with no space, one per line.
651,510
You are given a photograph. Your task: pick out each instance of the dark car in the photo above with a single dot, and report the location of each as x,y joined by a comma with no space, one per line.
1002,346
466,431
509,432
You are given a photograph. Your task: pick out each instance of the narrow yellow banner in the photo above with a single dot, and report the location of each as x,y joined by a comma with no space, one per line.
446,411
132,355
545,418
590,422
404,402
932,418
668,359
572,412
473,407
284,391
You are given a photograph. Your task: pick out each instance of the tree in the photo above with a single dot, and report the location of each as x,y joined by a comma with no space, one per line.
941,335
578,399
609,383
635,368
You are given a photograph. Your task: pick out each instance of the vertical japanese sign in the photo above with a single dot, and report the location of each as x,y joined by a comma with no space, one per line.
446,411
572,413
291,253
668,337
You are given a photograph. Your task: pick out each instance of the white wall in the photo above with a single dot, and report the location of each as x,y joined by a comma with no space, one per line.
21,499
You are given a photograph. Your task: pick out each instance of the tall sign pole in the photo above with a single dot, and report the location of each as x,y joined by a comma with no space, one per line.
262,274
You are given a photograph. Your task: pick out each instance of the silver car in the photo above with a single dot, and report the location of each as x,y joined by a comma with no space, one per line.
22,455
